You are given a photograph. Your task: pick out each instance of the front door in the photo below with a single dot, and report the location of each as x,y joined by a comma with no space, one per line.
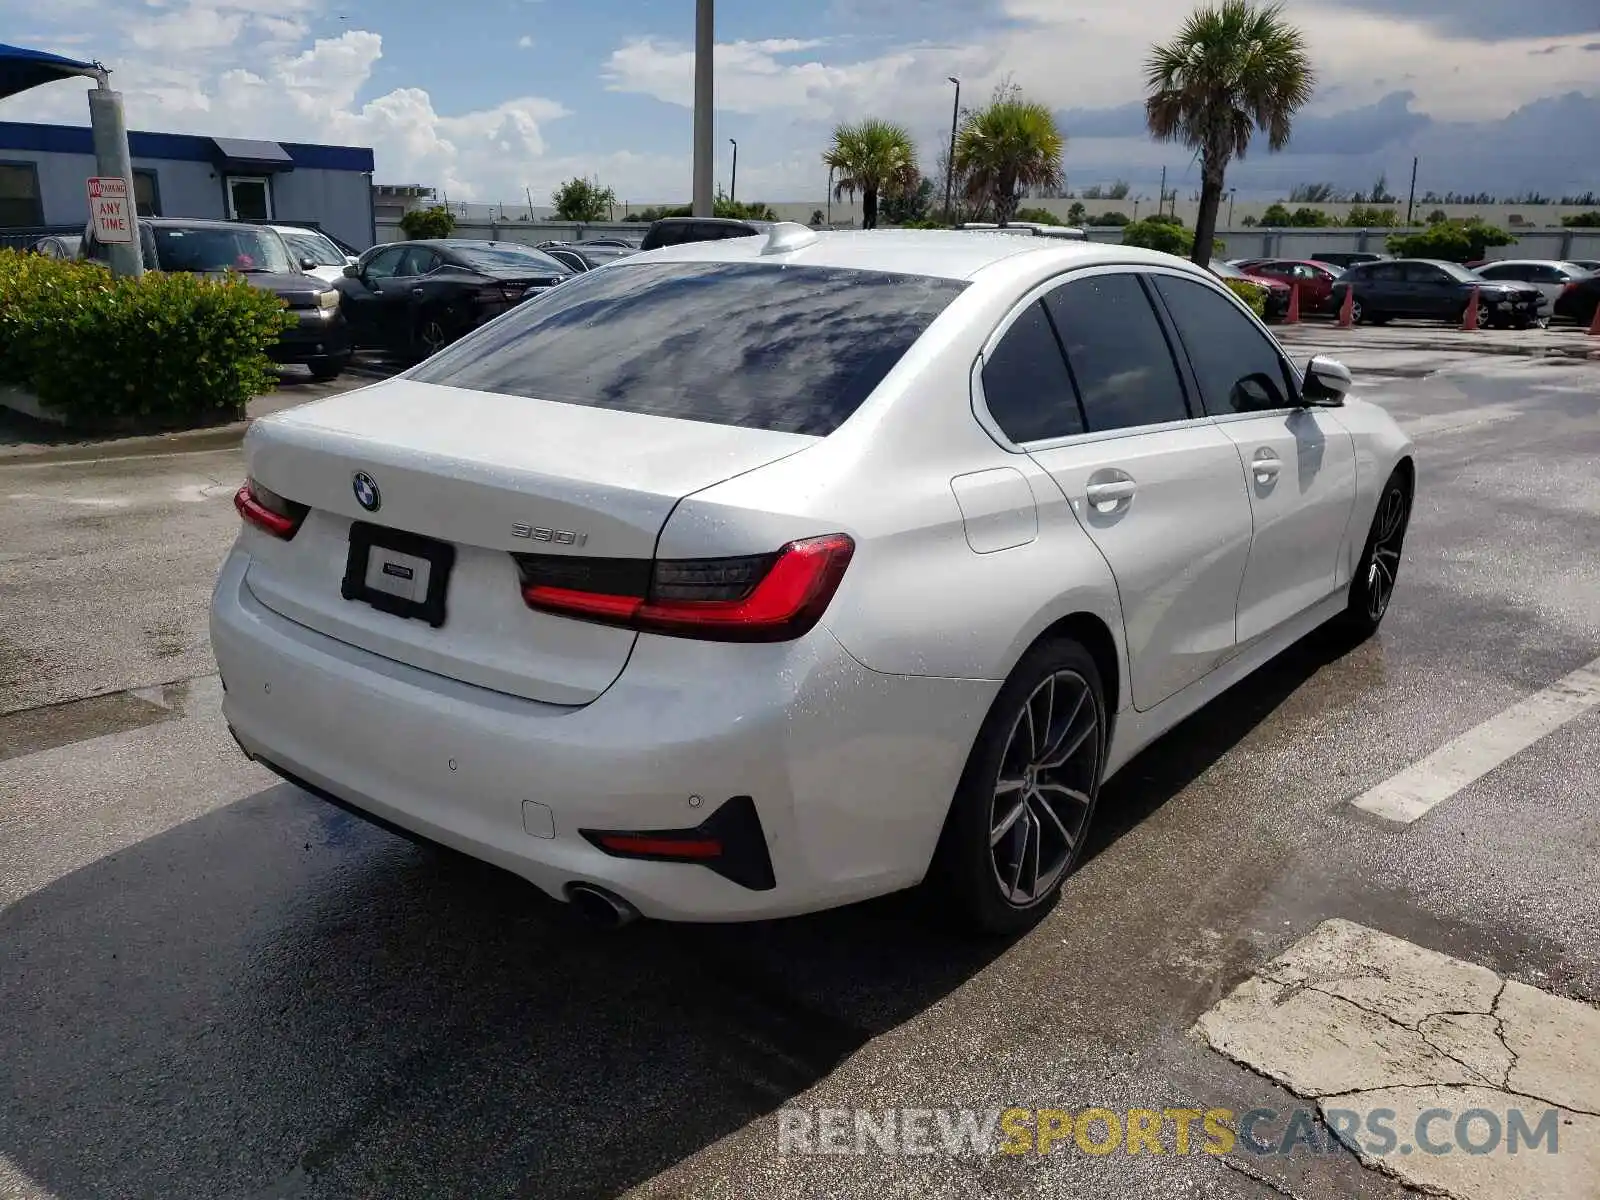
364,299
1299,463
1159,492
249,198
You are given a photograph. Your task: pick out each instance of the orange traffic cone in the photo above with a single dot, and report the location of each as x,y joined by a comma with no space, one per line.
1594,325
1293,315
1470,321
1347,309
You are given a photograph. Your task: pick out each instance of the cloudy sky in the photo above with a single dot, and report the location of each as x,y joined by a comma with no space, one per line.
486,98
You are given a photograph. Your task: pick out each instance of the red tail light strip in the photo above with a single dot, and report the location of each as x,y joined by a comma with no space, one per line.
254,509
783,603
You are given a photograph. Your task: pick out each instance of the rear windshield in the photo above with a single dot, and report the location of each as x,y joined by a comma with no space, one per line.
507,258
793,349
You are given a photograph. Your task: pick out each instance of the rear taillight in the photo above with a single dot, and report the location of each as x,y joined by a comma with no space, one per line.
268,511
754,598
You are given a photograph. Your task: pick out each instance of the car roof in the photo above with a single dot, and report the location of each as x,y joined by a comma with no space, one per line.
1527,262
752,222
939,253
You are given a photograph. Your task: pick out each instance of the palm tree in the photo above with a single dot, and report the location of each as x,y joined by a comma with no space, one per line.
1010,145
1233,69
875,158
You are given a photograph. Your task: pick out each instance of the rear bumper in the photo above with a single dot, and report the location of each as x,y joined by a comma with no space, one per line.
850,771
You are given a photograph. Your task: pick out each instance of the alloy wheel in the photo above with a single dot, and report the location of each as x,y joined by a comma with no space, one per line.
1389,531
1045,788
432,336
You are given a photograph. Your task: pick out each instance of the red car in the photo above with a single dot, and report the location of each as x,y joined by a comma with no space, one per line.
1315,279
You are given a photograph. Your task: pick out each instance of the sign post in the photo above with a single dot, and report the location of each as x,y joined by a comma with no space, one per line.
113,165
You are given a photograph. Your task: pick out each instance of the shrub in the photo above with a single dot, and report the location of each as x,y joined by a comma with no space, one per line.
1252,294
1276,215
579,199
162,350
435,222
1108,218
1452,241
1037,216
1362,216
1155,233
1076,213
1309,218
1583,220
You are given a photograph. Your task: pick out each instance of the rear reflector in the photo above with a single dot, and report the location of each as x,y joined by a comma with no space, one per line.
753,598
268,511
730,842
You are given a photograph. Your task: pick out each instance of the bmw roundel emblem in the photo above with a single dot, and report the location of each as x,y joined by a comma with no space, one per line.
366,490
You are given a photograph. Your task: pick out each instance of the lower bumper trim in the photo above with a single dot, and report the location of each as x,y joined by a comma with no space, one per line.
735,827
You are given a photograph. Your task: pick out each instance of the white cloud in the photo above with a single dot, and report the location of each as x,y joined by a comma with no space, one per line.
525,42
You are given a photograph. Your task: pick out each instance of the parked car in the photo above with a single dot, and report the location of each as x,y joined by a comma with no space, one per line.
588,255
320,339
1552,277
414,298
1421,287
315,252
59,246
1315,279
1028,228
1578,300
1275,292
1588,264
657,564
1348,258
676,231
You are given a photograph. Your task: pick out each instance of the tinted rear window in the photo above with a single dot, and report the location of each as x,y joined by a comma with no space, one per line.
794,349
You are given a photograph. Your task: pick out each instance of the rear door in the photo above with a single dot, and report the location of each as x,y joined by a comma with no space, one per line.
1299,463
1431,292
1160,492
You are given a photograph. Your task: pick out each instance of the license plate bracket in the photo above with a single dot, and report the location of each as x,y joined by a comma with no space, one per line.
403,574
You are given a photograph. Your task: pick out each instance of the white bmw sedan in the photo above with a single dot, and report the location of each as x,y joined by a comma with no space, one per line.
752,577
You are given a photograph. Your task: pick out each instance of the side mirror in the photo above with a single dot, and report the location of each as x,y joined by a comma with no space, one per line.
1326,382
350,271
308,264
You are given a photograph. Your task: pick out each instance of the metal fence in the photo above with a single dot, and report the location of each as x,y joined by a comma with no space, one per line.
24,238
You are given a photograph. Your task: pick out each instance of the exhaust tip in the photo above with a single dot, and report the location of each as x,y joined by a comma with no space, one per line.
600,907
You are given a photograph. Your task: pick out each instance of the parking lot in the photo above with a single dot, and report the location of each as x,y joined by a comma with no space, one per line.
214,985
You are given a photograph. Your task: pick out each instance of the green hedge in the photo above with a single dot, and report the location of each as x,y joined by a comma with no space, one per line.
1253,294
161,351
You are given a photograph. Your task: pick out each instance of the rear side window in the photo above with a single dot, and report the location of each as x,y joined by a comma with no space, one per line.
793,349
1117,352
1025,382
1237,367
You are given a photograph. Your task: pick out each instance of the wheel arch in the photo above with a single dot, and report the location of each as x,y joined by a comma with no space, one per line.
1091,632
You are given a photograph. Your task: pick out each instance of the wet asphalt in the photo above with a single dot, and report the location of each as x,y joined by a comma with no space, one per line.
212,985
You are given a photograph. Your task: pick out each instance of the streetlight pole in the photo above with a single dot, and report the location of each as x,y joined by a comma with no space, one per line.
1231,193
704,48
950,163
733,179
830,196
1412,202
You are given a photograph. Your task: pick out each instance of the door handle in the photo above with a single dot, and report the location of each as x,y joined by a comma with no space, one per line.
1111,493
1266,466
417,292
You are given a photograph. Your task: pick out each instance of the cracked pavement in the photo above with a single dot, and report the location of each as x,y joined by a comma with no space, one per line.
1358,1020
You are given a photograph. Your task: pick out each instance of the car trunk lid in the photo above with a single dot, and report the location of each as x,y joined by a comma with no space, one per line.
486,475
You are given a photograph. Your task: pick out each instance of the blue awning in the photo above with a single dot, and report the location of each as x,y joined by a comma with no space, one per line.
243,154
21,69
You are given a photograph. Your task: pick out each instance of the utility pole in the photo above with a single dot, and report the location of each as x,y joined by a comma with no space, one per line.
705,44
950,163
733,179
1231,193
1412,203
1161,202
112,161
830,196
528,192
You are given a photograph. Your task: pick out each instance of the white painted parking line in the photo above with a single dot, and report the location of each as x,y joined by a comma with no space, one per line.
1405,797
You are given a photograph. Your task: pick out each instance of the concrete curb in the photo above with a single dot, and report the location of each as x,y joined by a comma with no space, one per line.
1578,353
186,441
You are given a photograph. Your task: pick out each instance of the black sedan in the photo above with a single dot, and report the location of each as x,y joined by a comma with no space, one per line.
1579,300
586,256
414,298
1431,289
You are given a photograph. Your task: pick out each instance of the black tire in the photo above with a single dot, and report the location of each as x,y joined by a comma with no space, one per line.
433,331
324,369
1372,588
966,876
